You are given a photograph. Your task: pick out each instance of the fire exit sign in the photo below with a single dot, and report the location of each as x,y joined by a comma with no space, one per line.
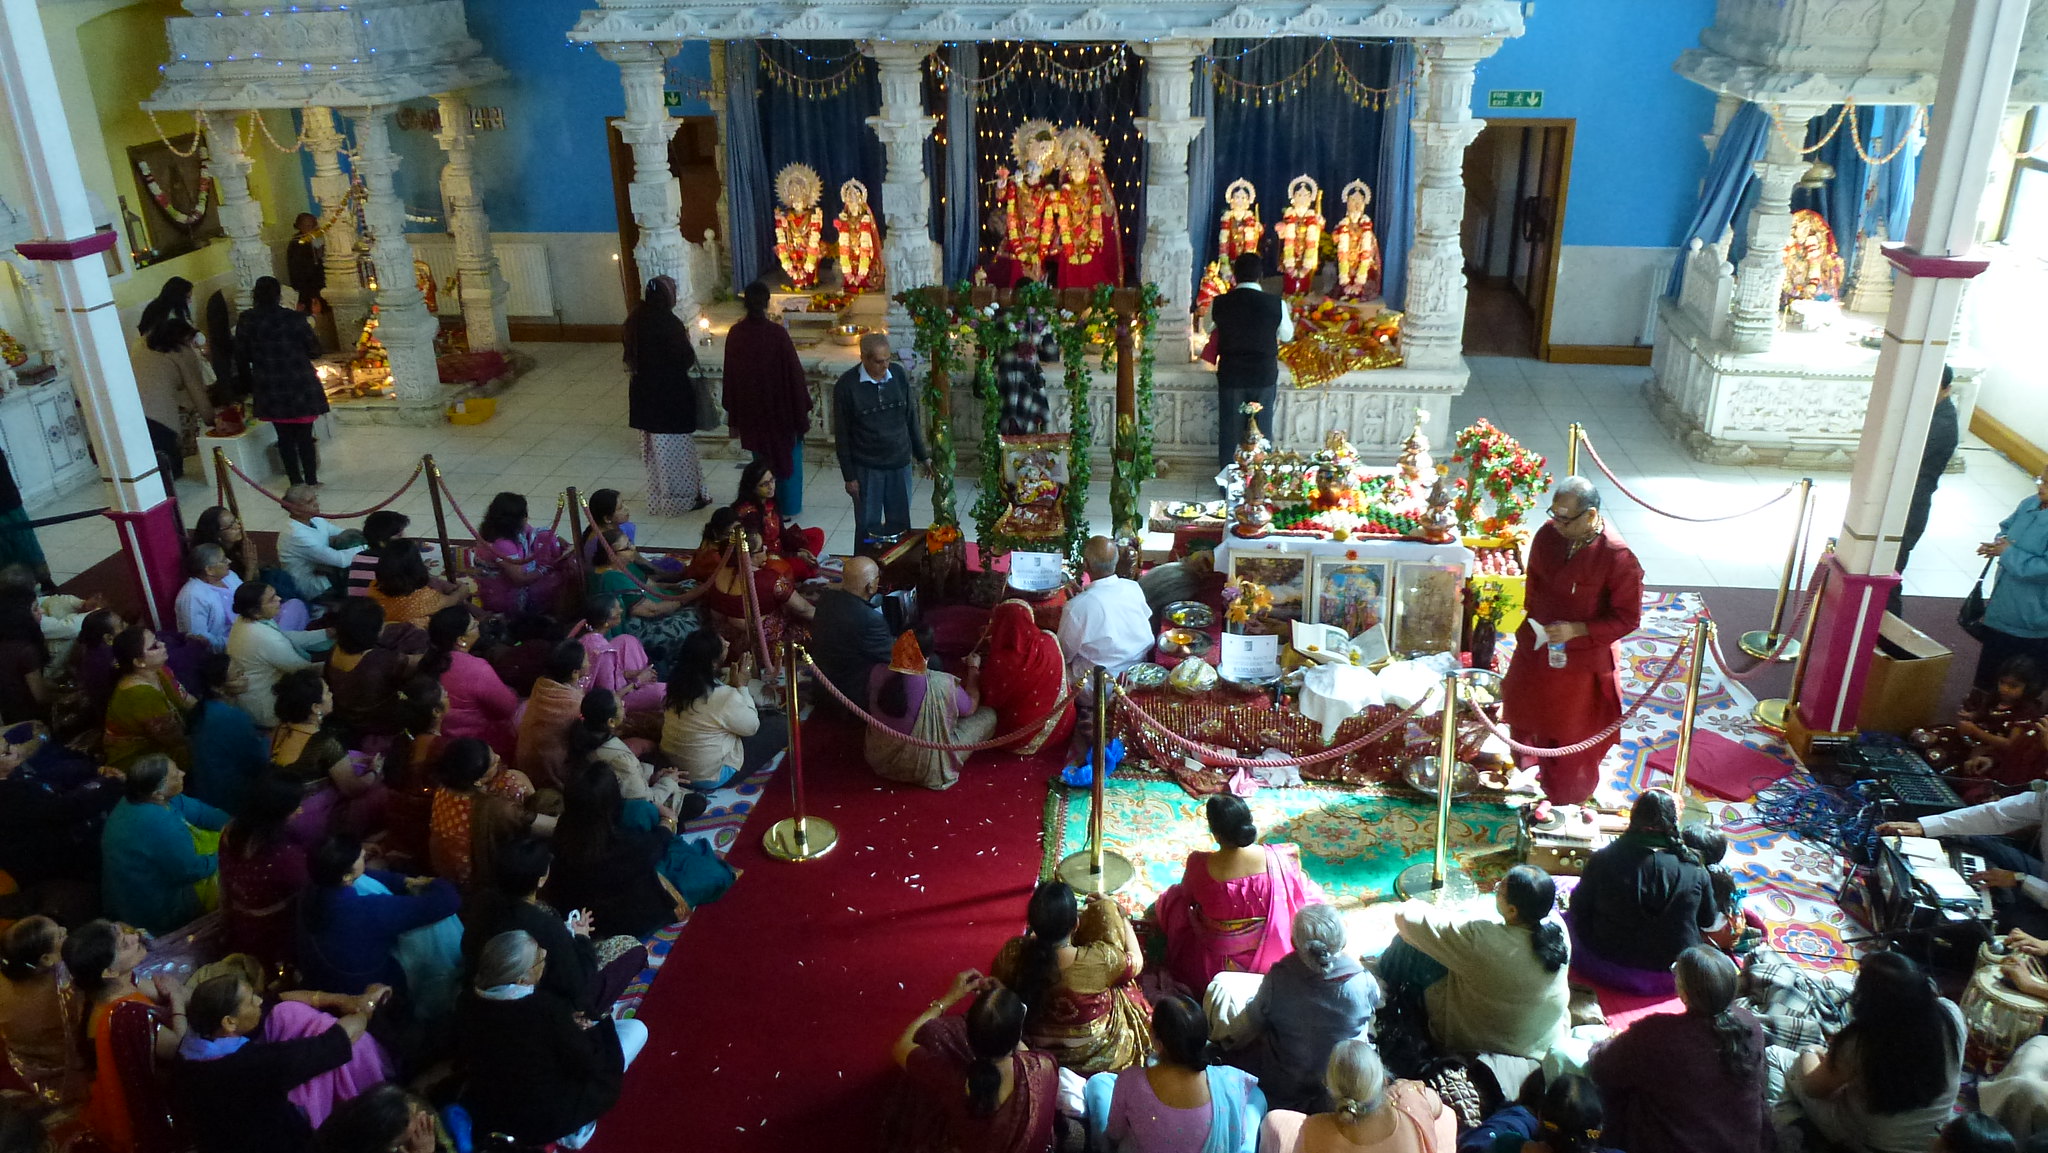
1515,98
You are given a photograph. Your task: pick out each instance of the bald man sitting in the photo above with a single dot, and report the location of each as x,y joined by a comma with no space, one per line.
849,635
1109,624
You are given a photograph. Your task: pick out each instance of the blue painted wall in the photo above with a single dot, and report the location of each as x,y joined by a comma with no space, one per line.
1636,161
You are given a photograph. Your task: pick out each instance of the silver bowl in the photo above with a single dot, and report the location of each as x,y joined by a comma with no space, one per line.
1420,774
1190,614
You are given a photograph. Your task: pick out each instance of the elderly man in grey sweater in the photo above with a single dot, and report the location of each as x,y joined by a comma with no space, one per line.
875,421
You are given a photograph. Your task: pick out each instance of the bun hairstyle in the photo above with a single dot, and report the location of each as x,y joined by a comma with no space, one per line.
1319,937
444,629
1532,894
419,699
1052,914
27,942
1356,1079
1180,1028
88,954
1708,979
1570,1118
1230,821
995,1025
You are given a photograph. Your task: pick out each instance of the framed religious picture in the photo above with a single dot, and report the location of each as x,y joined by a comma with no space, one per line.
179,202
1429,606
1351,594
1285,575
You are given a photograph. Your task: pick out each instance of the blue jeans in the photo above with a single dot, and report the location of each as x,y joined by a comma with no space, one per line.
883,506
789,487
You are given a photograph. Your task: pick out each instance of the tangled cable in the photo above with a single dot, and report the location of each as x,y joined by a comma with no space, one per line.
280,501
1616,481
995,742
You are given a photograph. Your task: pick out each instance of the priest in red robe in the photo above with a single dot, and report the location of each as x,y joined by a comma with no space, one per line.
1585,594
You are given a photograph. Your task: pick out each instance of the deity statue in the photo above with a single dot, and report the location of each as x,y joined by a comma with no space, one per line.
1415,459
1253,447
1024,197
1813,266
423,275
1254,515
799,224
1215,282
1300,233
1086,229
1240,230
1358,247
1440,524
860,243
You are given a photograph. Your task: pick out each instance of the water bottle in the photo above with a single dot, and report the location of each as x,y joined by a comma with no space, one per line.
1556,656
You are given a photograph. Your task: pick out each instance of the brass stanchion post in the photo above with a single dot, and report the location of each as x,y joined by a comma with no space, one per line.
800,836
1439,880
1096,869
1679,760
227,487
440,516
576,538
1763,643
1571,448
1772,714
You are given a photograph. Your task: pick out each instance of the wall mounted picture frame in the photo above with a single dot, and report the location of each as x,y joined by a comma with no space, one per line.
174,228
1352,594
1429,606
1284,572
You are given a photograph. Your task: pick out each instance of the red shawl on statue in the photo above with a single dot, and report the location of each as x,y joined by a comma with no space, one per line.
1023,678
767,398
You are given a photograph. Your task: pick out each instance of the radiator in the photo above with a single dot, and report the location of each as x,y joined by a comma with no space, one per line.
530,290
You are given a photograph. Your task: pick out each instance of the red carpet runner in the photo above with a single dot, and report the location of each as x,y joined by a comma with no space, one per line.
772,1020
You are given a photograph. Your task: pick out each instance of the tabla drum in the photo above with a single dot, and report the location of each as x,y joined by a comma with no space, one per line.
1999,1019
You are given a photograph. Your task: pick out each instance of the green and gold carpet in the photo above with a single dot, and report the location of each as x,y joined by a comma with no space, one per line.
1354,842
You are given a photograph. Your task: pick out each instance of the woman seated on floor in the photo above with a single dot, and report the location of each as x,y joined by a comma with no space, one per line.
618,661
146,712
916,700
1565,1116
364,675
1368,1113
797,549
228,753
262,653
479,703
972,1085
128,1031
1888,1080
712,545
537,1073
658,616
1180,1103
479,805
607,511
1233,910
588,972
1489,985
35,1023
1690,1082
343,790
356,926
595,740
1642,900
1312,998
783,613
262,871
519,569
218,526
387,1118
1024,677
553,707
714,733
623,860
25,691
1078,973
158,852
406,591
412,771
206,603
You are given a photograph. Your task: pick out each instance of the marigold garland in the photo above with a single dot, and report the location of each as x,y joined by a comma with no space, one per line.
163,199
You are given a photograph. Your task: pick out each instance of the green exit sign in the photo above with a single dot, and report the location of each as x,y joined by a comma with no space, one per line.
671,99
1515,98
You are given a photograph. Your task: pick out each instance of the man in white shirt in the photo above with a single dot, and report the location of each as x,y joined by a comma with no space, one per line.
1109,624
307,546
2009,871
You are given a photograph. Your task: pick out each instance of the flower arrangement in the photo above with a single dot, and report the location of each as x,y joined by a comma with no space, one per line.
829,302
1490,605
941,535
1500,470
163,199
1244,599
1251,408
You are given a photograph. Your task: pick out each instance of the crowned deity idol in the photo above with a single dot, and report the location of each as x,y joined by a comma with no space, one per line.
1024,197
1085,230
860,243
1300,233
1358,248
1240,230
799,224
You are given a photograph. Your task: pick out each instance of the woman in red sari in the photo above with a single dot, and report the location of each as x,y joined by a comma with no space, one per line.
1024,676
782,611
797,548
1233,910
130,1030
954,1098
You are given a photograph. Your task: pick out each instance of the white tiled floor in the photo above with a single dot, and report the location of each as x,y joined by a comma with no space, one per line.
565,423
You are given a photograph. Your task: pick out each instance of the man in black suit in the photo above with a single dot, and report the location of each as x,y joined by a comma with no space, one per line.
1251,324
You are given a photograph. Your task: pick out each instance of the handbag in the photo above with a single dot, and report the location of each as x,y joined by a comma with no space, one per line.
1970,617
710,414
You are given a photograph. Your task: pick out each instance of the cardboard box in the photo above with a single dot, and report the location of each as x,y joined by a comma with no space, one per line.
1906,677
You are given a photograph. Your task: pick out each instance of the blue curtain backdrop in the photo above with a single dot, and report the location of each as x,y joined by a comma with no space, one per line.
1728,179
1896,181
959,225
825,127
749,191
1202,172
1840,201
1393,206
1312,125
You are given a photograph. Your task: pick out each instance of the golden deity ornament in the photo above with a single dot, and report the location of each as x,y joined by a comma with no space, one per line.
799,224
1300,233
1358,247
859,241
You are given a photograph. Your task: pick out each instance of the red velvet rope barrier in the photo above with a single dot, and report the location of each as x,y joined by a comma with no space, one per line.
1212,755
280,502
1616,481
1670,669
643,586
483,546
1066,694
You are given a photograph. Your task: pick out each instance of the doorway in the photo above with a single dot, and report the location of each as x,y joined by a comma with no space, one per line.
693,158
1517,174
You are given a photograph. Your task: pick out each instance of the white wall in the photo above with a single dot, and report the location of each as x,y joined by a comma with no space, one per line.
1605,295
585,275
2002,322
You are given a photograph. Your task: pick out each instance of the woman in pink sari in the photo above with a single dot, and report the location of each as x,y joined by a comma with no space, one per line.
619,663
519,569
479,703
1233,910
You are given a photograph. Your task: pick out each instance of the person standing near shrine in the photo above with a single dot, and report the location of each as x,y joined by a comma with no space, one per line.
1251,324
660,402
1585,593
305,263
767,398
276,347
1943,433
876,426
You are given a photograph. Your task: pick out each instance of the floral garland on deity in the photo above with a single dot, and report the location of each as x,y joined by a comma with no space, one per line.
1500,468
799,224
1301,235
163,199
858,242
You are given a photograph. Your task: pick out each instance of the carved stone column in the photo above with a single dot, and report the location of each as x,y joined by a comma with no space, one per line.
344,291
482,289
1168,257
716,98
909,257
241,217
655,196
404,326
1433,335
1760,278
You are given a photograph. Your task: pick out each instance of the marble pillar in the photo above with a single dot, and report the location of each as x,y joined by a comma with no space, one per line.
404,325
1433,335
1168,256
241,217
716,98
344,291
1760,278
482,289
909,257
655,196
